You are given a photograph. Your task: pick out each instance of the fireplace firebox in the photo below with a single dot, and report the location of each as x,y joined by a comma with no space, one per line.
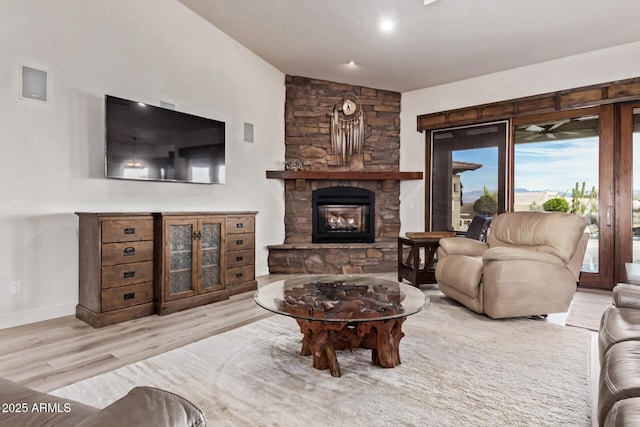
343,215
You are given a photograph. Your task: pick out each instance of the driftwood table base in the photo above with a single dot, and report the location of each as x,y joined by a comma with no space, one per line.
338,312
322,339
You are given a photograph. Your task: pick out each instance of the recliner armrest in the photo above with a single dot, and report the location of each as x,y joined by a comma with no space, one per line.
147,406
462,246
626,295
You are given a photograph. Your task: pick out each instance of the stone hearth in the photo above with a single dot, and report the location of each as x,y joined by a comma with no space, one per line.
333,258
307,126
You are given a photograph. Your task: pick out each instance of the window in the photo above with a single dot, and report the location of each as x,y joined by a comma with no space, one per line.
467,174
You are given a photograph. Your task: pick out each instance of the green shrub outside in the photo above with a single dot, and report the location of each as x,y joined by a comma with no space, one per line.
557,204
486,205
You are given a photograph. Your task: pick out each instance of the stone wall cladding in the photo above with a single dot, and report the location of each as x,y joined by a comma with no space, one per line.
307,122
308,105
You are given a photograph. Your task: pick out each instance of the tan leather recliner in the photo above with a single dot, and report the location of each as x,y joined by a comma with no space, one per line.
530,265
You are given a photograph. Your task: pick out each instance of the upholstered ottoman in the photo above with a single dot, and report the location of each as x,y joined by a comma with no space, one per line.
619,377
625,413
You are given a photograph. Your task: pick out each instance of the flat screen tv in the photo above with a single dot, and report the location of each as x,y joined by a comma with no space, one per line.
145,142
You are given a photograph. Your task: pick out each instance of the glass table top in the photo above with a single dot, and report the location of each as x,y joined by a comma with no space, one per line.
339,298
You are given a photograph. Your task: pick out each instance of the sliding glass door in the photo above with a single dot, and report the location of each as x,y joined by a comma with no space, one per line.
555,168
628,182
564,162
561,161
585,161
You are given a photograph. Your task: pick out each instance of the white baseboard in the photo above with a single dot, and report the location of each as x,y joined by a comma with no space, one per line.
18,318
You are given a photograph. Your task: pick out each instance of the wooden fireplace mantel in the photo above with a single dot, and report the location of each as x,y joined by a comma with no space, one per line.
345,175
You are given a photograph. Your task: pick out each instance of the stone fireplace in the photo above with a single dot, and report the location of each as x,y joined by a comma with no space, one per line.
357,237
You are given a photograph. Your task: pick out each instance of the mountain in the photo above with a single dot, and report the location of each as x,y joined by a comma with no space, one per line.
471,196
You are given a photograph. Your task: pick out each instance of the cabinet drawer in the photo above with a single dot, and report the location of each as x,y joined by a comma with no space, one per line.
240,274
126,253
240,224
127,296
240,258
241,241
127,230
127,274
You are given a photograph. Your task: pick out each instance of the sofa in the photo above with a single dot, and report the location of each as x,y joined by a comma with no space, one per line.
142,406
529,265
619,352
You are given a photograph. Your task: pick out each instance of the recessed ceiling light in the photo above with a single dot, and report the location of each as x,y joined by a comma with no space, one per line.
387,25
352,63
142,104
426,2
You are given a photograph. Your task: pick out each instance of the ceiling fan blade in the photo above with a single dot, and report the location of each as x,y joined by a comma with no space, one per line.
569,132
535,128
550,135
557,125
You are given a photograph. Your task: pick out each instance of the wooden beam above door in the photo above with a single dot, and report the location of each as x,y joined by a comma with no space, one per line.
605,93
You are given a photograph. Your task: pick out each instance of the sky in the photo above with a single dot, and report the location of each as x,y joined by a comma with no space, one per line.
552,165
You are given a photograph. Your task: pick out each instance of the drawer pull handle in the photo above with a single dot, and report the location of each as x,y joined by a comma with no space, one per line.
129,274
239,275
239,225
239,242
239,258
129,251
130,230
130,295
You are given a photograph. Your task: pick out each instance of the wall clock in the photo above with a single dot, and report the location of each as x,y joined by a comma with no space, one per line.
347,127
349,107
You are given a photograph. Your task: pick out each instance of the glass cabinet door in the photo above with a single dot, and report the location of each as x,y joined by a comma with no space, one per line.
179,276
210,250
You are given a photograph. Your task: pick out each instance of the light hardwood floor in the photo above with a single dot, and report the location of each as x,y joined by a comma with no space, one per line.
54,353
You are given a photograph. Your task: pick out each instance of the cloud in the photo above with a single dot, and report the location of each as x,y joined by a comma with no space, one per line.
556,165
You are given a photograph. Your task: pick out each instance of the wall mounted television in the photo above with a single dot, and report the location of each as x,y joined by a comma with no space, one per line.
145,142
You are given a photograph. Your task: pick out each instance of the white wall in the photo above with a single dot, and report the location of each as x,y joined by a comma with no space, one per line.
52,153
621,62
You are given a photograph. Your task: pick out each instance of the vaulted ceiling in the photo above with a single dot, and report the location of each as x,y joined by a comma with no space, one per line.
432,44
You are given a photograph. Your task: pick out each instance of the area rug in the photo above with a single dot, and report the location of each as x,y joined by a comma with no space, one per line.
587,307
458,369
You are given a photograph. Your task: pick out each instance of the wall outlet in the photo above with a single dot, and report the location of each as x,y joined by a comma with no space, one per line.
16,287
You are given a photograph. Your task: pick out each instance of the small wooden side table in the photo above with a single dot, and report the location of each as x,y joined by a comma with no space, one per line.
425,244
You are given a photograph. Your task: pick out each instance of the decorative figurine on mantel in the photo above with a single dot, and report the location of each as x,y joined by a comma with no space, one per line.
293,165
347,127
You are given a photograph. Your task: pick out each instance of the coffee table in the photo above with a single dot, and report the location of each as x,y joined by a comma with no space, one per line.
339,312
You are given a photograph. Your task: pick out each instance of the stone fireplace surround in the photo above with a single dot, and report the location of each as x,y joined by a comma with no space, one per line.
307,107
